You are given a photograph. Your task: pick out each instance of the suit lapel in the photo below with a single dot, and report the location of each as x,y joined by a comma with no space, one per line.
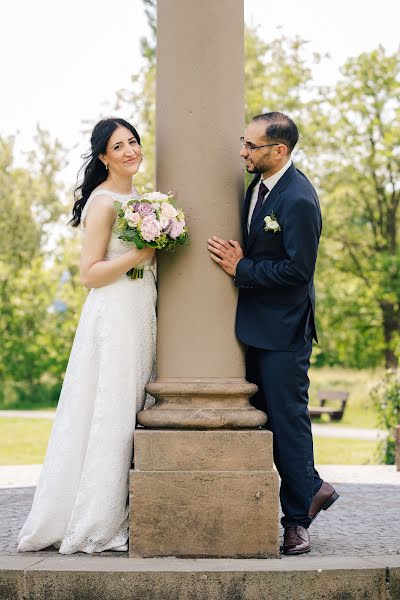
270,204
246,206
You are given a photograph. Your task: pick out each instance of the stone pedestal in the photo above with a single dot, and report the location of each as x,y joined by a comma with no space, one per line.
204,494
197,488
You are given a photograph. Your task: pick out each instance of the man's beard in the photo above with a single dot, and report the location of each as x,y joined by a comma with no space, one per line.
253,169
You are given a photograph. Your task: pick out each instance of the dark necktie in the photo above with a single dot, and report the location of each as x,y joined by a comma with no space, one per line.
262,191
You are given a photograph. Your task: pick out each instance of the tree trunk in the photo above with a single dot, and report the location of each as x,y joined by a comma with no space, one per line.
391,325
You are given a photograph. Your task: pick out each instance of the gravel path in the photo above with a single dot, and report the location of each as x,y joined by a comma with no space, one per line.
364,521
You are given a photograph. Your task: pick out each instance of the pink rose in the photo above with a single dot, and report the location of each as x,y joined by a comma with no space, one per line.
150,228
176,229
168,210
145,209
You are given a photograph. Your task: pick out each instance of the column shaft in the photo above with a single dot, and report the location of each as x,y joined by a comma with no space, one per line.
200,118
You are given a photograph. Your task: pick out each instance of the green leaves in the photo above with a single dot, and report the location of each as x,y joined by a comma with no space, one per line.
36,337
386,397
140,244
360,191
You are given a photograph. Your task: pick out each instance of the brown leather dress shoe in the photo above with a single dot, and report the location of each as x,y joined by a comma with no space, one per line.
296,540
322,500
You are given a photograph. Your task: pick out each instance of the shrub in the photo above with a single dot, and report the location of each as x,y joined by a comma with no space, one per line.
386,397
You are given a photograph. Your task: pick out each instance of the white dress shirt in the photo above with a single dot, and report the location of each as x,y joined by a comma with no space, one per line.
269,183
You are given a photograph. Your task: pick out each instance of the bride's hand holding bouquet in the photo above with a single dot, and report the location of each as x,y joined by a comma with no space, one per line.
150,221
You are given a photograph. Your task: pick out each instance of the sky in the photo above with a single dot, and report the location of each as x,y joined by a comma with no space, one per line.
63,62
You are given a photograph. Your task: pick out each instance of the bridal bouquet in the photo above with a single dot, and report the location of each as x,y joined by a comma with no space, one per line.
151,220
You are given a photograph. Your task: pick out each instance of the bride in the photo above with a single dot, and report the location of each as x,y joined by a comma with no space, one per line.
80,504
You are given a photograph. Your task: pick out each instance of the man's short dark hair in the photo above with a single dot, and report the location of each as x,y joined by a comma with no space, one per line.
279,128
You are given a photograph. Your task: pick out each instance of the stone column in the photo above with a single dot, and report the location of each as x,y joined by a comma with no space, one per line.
200,382
200,118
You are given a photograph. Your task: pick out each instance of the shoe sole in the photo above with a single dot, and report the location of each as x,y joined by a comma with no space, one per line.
296,553
327,504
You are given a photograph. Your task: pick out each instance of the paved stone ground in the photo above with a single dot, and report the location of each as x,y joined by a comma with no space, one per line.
364,521
349,433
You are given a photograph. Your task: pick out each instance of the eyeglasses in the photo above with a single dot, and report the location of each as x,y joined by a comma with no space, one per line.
250,147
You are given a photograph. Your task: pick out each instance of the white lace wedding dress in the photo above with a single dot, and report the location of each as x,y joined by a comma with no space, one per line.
80,504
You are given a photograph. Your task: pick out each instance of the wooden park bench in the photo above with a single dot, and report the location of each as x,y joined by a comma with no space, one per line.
335,413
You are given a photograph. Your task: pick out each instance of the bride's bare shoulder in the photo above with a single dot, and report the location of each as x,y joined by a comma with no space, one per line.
101,207
102,196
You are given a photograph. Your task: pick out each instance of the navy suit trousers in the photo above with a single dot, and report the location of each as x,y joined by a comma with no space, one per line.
282,380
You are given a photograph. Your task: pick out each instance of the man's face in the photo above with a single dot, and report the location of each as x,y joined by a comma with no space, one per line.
258,160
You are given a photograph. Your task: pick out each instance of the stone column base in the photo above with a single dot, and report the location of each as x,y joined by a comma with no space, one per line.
204,494
201,404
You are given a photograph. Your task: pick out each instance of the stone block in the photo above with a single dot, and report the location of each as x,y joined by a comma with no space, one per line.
208,513
392,564
168,450
11,585
12,573
204,494
172,579
394,583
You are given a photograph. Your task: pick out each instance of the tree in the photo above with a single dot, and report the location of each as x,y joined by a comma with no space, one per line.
142,97
349,147
361,190
36,334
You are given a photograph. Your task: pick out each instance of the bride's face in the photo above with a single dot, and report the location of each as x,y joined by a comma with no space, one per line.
123,154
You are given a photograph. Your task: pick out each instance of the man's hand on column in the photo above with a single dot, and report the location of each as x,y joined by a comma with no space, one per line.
226,254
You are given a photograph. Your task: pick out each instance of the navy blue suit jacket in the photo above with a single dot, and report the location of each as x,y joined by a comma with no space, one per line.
276,303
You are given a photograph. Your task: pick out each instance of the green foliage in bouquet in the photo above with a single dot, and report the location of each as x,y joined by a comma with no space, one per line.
151,220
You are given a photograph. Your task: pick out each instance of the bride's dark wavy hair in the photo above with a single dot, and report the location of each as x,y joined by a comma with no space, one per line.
93,169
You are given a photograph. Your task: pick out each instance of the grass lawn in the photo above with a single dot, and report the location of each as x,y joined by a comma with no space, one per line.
359,411
339,451
23,441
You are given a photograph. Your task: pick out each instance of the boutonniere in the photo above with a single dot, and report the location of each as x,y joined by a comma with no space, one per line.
271,223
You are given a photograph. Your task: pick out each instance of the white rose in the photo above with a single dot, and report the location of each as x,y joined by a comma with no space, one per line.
168,210
155,197
133,218
164,221
271,224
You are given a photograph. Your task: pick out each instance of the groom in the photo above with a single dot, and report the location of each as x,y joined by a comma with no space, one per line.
274,272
